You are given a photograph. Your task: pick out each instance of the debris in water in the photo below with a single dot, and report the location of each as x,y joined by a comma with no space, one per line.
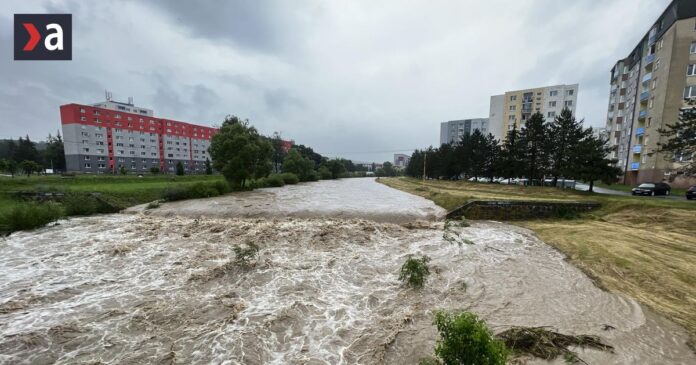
548,345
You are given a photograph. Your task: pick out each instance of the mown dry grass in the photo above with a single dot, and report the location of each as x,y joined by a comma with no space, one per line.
644,248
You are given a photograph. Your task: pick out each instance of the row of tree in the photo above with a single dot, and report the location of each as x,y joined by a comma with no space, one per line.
541,149
23,155
242,155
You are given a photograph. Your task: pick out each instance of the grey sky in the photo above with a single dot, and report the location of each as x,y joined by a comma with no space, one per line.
352,78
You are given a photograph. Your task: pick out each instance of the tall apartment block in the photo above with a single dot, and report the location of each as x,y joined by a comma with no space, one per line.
453,130
513,108
102,137
649,90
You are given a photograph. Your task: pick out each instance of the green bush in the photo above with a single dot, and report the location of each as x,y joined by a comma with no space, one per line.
324,173
259,183
195,191
86,204
465,339
415,271
275,181
313,176
222,187
29,215
289,178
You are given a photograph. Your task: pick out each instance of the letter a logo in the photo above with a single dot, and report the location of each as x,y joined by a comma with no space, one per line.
55,30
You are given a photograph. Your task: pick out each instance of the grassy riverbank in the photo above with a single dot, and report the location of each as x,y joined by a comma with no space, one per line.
88,194
642,247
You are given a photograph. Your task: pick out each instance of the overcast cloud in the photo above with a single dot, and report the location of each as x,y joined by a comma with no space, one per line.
359,79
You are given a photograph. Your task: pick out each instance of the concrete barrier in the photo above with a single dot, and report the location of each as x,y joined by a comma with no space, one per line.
508,210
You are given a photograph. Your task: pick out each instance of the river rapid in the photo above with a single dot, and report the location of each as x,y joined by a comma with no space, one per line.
161,286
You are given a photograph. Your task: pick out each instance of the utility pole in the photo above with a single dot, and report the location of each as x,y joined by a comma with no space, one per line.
425,158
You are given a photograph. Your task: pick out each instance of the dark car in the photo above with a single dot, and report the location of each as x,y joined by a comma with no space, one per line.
691,193
652,189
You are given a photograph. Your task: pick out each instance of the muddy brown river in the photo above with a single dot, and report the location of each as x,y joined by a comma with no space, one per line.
161,287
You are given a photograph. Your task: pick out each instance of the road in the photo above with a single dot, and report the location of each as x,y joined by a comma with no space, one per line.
598,190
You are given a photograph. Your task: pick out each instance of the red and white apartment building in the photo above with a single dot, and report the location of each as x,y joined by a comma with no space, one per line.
102,137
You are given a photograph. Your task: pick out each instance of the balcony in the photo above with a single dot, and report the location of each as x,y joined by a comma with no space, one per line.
652,39
640,131
642,114
649,59
610,114
635,166
647,77
638,148
645,96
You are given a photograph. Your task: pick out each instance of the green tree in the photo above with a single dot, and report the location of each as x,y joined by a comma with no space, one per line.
279,151
566,133
309,153
154,170
336,167
415,164
536,146
298,165
9,166
54,154
29,167
179,168
208,167
511,162
386,170
26,151
240,153
592,163
681,141
122,170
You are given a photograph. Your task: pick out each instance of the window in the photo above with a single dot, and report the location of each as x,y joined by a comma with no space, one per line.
570,92
86,158
513,107
552,104
84,119
690,92
691,70
88,166
82,110
693,48
568,103
513,97
102,166
654,83
551,115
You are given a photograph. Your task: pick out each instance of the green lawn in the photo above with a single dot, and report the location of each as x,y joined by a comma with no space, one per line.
123,191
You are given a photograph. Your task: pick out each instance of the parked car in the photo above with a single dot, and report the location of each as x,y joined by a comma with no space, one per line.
652,189
691,193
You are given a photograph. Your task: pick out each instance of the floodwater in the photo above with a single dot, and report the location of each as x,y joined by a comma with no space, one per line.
163,288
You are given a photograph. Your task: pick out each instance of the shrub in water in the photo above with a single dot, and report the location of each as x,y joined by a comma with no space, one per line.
244,255
29,215
415,271
275,181
153,205
290,178
465,339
